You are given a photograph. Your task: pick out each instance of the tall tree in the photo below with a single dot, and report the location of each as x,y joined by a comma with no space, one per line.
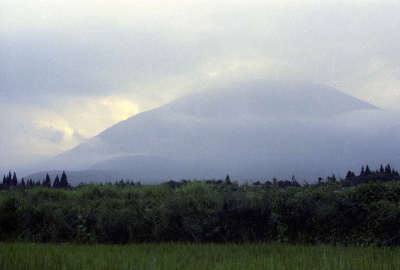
14,179
362,173
367,170
64,181
9,178
47,182
56,183
350,174
228,180
388,170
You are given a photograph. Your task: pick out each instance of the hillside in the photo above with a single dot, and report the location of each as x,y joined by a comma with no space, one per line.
253,130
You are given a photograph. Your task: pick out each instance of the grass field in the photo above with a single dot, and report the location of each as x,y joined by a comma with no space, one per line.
195,256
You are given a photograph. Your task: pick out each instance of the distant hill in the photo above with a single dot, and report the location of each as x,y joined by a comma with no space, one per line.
251,131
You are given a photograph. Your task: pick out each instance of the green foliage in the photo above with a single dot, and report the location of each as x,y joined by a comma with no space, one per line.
203,211
9,217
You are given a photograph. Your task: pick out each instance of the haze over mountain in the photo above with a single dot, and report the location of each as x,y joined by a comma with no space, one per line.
249,130
72,69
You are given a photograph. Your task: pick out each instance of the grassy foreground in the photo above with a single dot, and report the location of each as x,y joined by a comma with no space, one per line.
195,256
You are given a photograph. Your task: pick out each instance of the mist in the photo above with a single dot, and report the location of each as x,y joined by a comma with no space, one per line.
252,130
71,69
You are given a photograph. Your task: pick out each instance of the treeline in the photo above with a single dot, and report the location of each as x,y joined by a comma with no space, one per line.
11,181
366,175
220,211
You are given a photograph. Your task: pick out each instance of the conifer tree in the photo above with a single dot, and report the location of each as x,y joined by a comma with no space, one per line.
388,170
64,181
367,170
56,183
275,181
362,173
228,179
47,182
350,174
381,169
9,179
14,180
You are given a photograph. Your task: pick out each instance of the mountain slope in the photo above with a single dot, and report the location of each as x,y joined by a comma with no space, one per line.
273,98
249,130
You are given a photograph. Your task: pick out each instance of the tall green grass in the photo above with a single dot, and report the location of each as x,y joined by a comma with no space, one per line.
195,256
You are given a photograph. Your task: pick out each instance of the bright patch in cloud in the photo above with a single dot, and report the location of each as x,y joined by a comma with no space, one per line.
121,109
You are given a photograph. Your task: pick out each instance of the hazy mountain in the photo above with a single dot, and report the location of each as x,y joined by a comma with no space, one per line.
271,98
247,130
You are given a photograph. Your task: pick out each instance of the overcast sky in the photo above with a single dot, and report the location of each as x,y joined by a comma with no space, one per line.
70,69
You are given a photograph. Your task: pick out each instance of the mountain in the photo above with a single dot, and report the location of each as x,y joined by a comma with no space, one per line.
253,130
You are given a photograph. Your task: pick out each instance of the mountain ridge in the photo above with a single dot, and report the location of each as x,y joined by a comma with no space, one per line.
263,128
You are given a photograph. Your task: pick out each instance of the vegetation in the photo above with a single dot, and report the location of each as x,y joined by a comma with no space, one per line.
195,256
356,210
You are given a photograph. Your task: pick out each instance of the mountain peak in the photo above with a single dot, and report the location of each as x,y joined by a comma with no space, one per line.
273,98
250,130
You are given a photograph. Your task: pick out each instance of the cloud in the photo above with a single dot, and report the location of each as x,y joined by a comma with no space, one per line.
53,134
379,82
90,64
36,130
